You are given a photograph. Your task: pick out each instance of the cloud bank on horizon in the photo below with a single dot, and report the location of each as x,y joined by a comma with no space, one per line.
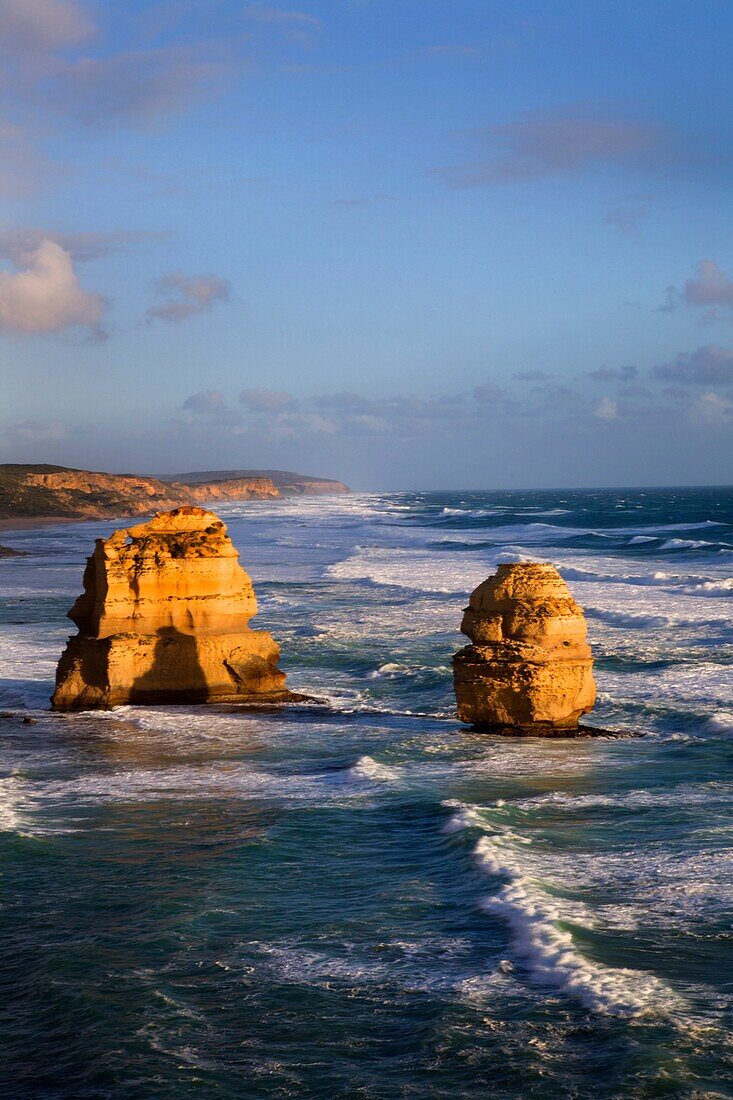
454,244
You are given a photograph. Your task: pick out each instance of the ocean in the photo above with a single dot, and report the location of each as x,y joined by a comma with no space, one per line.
364,898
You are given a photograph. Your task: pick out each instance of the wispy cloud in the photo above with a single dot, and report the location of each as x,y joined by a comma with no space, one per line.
24,167
80,246
628,216
489,394
365,200
298,27
710,365
557,144
613,374
137,87
530,376
186,296
37,28
35,431
57,65
269,13
454,49
278,414
207,401
264,400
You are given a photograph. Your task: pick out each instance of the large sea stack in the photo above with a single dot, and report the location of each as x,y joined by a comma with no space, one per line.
529,669
164,619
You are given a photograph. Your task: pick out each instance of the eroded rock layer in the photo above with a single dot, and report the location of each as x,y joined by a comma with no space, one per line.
529,668
163,618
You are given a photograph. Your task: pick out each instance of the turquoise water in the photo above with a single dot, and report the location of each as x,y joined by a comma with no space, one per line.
365,898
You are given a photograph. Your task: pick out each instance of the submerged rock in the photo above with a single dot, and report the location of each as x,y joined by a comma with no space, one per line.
163,619
529,669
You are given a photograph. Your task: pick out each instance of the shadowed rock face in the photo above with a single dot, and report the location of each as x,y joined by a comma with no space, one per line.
529,669
164,619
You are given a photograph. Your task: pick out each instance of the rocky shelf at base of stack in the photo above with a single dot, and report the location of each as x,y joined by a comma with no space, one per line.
529,669
164,619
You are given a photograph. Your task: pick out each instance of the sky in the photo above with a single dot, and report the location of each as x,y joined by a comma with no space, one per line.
424,244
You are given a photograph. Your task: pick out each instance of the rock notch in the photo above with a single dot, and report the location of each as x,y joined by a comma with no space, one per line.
529,669
163,619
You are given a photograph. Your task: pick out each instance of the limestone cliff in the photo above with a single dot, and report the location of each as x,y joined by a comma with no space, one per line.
235,488
55,491
529,669
287,482
163,618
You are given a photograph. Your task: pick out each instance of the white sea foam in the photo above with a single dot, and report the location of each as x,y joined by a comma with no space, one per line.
627,619
474,513
464,817
725,584
539,532
60,800
688,794
538,939
546,512
20,804
721,722
412,569
366,767
396,670
549,951
11,797
685,544
430,964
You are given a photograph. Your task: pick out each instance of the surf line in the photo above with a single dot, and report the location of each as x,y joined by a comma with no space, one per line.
545,950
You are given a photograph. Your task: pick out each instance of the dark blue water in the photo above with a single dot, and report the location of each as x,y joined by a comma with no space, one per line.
366,899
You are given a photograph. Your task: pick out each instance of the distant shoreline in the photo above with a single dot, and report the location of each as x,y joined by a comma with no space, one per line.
16,523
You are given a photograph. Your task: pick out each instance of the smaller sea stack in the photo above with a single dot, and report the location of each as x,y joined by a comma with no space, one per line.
529,669
164,619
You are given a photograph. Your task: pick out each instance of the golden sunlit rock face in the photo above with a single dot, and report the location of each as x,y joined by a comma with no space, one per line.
529,668
164,619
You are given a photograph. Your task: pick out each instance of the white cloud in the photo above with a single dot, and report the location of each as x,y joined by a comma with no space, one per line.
709,288
45,296
295,425
606,409
711,410
264,400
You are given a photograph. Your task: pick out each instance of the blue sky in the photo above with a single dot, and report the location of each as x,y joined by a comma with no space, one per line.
406,243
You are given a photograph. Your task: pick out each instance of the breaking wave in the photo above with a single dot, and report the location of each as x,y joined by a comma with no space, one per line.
540,936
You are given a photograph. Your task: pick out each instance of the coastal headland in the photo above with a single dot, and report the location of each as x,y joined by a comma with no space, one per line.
33,494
